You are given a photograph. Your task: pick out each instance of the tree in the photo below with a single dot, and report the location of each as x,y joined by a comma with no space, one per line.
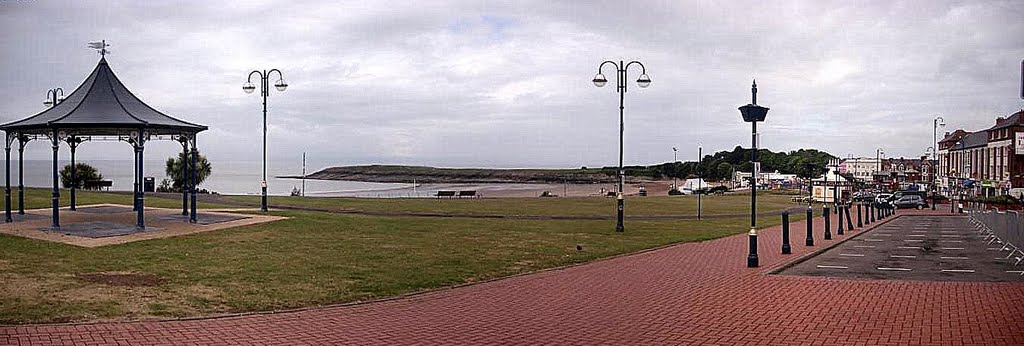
83,173
174,171
724,171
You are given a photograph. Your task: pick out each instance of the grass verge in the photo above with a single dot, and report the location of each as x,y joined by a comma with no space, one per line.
314,258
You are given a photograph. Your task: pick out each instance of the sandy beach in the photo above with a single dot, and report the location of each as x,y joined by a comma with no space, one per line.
654,188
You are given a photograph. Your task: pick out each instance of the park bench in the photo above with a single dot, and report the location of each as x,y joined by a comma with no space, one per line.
444,193
97,184
467,194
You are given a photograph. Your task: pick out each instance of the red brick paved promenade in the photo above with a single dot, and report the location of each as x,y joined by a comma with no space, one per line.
698,293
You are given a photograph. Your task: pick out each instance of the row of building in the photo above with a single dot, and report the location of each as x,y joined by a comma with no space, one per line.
985,162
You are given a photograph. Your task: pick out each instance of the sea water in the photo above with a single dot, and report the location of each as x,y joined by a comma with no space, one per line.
227,177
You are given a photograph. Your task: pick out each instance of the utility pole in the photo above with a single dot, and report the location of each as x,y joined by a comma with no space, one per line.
303,174
674,160
700,175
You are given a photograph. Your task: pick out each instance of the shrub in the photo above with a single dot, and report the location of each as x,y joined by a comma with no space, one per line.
174,168
83,173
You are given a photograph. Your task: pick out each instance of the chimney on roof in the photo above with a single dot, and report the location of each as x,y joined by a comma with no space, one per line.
999,120
947,134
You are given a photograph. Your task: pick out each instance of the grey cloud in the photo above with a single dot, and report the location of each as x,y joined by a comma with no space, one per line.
463,83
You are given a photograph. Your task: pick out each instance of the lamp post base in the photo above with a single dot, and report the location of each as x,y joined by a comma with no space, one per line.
620,202
263,200
752,260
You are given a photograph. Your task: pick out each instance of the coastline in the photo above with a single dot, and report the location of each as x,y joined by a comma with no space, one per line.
499,189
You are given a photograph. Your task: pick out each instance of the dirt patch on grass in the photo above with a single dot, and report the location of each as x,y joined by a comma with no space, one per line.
123,279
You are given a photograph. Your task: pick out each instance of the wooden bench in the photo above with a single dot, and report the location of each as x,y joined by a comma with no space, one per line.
467,194
444,193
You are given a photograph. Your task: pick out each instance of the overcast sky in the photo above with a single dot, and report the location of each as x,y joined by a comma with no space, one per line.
508,84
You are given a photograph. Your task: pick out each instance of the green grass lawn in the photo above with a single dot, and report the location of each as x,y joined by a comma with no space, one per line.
588,206
318,258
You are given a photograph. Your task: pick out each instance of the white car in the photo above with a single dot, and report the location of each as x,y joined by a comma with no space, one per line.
882,199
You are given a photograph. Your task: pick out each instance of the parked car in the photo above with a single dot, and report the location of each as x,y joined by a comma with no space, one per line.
911,201
863,196
883,200
900,194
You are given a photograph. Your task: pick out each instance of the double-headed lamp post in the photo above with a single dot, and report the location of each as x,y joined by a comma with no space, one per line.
752,113
936,124
930,152
53,97
248,87
621,82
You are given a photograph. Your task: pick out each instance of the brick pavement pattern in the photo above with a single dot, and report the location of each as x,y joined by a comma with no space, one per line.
695,293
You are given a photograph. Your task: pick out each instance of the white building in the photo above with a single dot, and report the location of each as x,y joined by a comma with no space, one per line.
825,187
694,184
860,167
764,179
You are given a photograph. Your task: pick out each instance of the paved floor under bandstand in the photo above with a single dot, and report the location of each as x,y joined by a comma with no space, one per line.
108,224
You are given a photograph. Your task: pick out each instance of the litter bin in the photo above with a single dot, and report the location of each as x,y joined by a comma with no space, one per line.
148,184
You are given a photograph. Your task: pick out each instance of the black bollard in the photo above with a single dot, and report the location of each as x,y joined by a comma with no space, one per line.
839,220
810,226
849,219
828,223
860,221
786,249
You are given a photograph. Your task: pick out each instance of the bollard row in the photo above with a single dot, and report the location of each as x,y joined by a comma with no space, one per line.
866,214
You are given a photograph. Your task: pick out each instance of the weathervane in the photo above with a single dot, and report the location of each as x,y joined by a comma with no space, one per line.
100,46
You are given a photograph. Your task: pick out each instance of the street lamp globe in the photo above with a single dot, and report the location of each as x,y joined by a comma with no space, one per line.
248,87
599,80
48,102
281,85
644,81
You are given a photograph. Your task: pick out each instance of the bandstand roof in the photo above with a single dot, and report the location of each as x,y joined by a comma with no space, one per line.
102,105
